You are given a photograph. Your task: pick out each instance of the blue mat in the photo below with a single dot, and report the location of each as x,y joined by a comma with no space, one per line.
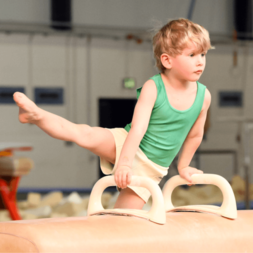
240,205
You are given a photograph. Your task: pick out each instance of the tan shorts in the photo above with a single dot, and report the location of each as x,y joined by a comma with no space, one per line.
142,166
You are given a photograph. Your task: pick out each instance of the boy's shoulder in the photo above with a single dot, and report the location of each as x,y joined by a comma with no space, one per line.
207,99
207,95
149,86
147,92
154,82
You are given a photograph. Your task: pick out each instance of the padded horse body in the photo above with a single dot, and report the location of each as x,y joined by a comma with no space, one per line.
182,232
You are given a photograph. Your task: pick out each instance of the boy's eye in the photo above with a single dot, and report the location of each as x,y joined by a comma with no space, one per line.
191,55
203,54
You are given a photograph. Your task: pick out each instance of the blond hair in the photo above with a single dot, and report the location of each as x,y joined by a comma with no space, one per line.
173,37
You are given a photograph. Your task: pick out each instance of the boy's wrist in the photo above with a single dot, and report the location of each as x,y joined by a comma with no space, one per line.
124,165
180,168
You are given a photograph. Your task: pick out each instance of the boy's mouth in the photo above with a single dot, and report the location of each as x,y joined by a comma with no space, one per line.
198,72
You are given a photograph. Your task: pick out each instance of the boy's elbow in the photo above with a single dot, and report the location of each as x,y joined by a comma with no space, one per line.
198,137
200,134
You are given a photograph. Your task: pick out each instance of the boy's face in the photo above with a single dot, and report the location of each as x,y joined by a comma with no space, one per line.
189,65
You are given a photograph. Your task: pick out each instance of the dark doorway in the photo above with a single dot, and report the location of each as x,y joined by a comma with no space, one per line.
115,112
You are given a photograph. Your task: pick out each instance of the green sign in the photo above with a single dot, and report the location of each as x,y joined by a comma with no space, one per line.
129,83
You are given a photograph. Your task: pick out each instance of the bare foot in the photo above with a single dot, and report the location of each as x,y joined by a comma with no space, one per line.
28,110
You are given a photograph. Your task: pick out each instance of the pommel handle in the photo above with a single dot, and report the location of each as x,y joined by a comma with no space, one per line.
156,213
228,208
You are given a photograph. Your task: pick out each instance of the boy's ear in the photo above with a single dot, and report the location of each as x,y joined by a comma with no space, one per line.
166,61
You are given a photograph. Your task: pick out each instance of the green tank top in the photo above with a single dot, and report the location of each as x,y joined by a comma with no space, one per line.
168,127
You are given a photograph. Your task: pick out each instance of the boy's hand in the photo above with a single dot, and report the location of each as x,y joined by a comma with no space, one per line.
123,176
187,172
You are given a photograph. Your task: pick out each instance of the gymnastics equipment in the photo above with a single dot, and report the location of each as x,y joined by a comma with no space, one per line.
183,231
156,213
12,168
228,208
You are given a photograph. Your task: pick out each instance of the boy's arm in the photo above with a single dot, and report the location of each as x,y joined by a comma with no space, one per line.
193,141
139,126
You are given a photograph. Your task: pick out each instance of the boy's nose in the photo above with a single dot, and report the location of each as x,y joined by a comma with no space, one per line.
200,61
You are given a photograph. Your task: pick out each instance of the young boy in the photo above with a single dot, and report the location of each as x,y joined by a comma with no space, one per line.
170,112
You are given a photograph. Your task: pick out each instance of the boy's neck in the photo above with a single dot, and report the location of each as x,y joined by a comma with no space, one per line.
174,82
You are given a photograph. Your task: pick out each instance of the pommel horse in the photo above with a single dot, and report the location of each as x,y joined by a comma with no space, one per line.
196,228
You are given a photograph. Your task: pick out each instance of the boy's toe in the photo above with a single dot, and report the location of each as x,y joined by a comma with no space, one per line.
17,96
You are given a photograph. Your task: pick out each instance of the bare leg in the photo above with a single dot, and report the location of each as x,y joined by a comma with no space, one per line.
128,199
98,140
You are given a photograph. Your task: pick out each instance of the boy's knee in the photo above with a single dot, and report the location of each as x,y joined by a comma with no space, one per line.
84,134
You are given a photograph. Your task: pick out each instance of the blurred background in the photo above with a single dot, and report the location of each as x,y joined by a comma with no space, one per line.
83,60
